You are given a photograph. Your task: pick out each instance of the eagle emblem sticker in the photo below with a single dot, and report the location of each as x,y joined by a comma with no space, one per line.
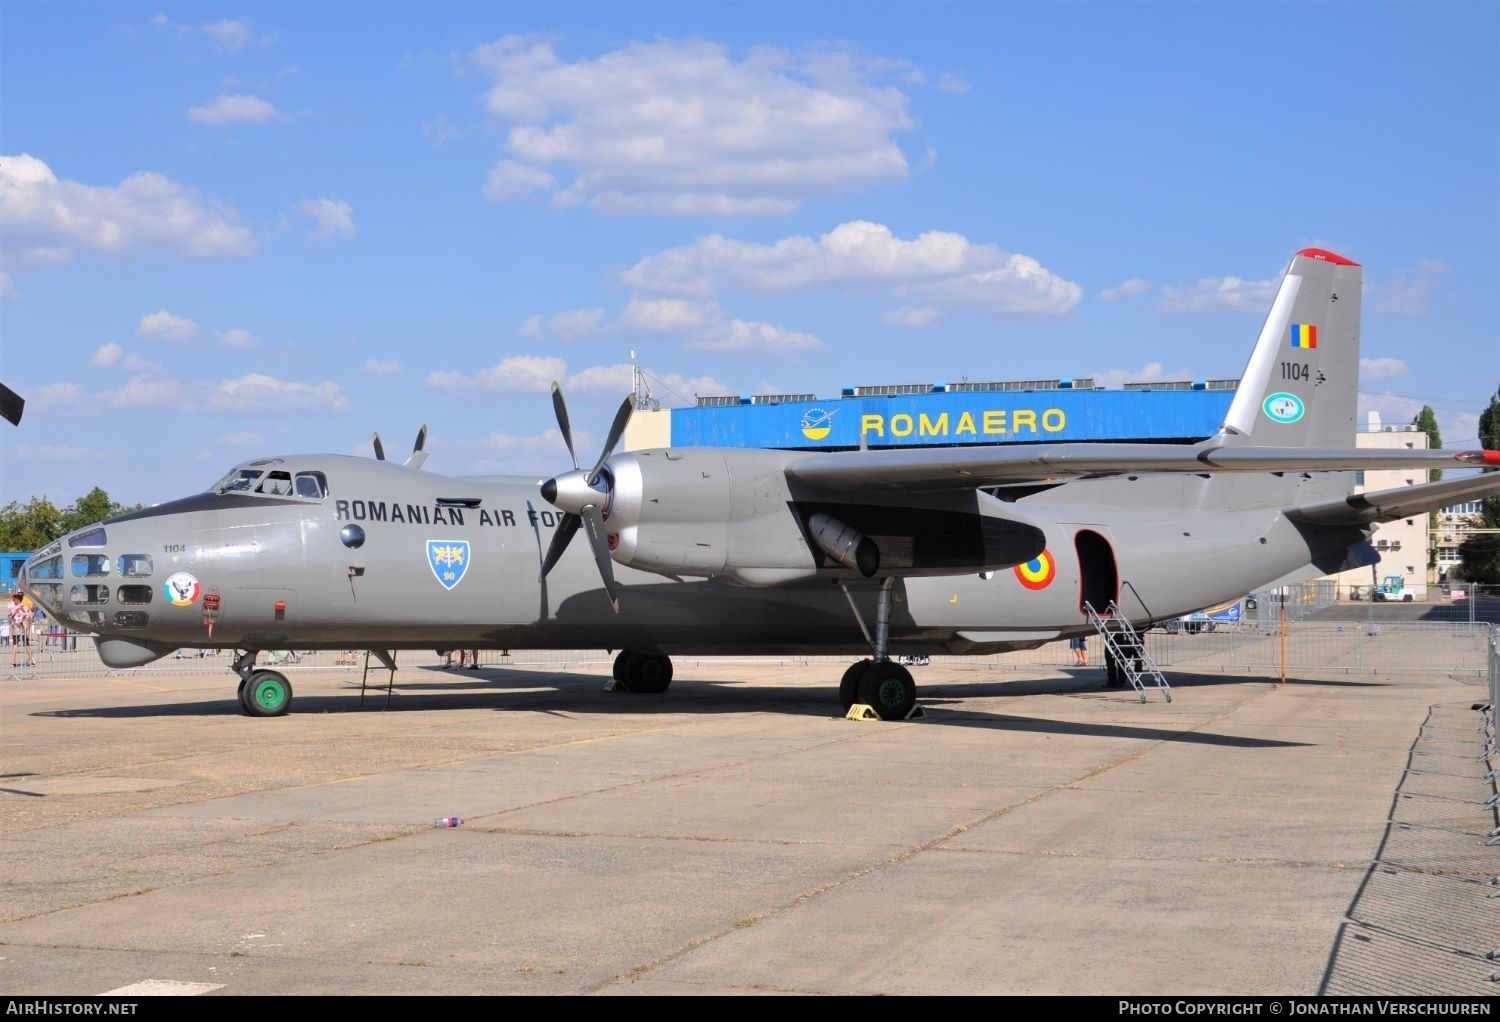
181,589
1283,407
1038,572
449,560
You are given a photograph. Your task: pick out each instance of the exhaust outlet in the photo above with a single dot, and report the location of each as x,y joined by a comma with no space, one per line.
844,544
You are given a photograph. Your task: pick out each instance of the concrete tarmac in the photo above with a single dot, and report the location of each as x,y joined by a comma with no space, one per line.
1035,834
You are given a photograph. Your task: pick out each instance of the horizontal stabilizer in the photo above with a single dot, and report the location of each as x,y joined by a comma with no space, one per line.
1399,502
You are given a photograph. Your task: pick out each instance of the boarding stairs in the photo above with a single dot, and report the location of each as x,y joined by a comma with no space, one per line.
1128,648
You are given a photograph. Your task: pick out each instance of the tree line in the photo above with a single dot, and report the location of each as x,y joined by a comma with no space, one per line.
34,524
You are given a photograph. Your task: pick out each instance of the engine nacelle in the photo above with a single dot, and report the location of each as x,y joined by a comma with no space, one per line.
731,513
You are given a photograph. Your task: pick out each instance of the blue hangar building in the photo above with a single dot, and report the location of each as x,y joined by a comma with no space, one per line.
943,415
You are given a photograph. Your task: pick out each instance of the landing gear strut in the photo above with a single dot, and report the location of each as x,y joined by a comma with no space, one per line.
261,693
881,683
649,673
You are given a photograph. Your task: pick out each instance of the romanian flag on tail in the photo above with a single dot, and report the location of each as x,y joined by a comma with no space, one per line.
1304,335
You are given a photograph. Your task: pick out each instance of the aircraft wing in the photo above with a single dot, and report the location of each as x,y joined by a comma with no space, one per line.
945,468
1400,502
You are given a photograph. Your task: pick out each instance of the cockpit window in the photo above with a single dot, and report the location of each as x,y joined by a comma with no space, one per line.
277,484
94,537
312,484
241,480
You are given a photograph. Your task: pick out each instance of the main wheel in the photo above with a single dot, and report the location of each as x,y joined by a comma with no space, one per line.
266,694
849,683
650,673
888,688
621,663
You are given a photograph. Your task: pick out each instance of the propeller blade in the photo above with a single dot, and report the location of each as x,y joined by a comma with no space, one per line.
616,430
417,454
560,540
600,542
560,407
11,405
379,447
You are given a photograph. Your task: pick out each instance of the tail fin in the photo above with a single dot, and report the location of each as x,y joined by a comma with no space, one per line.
1302,382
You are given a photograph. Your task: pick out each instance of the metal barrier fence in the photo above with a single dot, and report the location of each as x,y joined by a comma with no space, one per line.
1323,632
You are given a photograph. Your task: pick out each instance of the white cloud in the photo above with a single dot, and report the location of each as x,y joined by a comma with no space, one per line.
666,315
136,364
511,180
938,269
162,325
230,35
1131,288
572,325
1216,294
613,379
1381,368
910,316
685,388
56,395
47,222
1459,429
158,19
757,338
952,83
8,292
107,355
520,373
236,337
378,367
683,128
550,440
235,109
1151,372
1408,292
146,391
255,391
333,218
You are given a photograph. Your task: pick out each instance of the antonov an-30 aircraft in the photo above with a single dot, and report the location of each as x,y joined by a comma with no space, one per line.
977,549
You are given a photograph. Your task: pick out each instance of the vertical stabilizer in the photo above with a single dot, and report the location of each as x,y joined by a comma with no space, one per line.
1301,385
1302,382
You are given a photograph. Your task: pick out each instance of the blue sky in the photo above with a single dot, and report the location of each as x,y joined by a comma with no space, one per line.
233,230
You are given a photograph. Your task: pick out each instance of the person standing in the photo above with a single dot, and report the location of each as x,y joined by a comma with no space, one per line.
18,615
1079,645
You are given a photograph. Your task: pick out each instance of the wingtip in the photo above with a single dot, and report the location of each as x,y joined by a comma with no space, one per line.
1478,457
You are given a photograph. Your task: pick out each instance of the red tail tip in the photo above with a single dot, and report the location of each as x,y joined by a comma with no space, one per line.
1327,256
1478,457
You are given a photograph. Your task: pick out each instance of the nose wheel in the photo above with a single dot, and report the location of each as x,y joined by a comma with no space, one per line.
266,694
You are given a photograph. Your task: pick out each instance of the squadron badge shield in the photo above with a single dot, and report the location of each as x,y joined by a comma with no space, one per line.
449,560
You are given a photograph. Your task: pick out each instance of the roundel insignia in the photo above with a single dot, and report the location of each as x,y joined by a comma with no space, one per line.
1038,572
181,589
1283,407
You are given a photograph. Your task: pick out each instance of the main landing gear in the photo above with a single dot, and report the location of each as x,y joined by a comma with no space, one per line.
649,673
261,693
881,683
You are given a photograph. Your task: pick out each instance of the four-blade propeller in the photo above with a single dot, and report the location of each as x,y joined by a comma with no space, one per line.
581,498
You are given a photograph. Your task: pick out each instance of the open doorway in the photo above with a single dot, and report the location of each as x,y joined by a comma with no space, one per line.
1099,581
